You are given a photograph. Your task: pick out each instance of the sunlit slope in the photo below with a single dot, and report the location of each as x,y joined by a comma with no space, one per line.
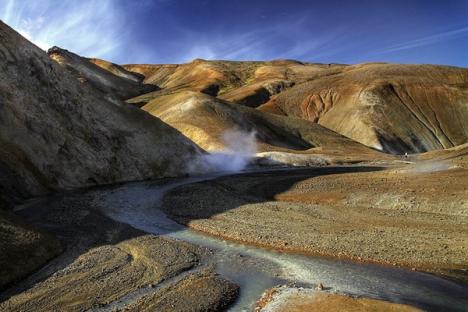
391,107
204,119
246,83
395,108
107,78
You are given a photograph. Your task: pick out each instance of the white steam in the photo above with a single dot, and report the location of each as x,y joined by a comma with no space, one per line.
240,148
431,166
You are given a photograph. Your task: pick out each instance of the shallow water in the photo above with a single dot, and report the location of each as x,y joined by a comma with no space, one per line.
256,269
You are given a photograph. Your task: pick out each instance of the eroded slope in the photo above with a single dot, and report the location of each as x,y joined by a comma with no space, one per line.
108,78
205,119
56,133
395,108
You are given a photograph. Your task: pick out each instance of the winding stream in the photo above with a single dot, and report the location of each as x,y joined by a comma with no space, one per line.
256,269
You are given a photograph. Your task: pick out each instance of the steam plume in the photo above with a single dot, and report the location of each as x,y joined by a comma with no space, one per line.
240,149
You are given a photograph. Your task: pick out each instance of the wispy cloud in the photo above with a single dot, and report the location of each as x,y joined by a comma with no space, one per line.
168,31
92,28
280,40
433,39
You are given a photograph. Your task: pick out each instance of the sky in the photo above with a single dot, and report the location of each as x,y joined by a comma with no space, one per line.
177,31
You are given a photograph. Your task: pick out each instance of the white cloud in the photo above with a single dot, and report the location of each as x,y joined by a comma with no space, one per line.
432,39
91,28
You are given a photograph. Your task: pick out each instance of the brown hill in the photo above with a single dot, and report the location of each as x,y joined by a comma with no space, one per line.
247,83
392,107
117,70
395,108
108,78
56,133
206,120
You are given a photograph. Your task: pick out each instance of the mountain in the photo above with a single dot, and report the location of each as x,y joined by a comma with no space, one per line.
110,79
207,120
57,133
248,83
391,107
394,108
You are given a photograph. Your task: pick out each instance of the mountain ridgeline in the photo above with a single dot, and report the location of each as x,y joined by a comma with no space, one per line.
393,108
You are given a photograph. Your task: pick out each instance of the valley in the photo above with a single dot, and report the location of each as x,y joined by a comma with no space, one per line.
218,185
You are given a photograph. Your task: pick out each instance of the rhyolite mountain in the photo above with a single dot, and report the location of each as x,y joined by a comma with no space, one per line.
108,78
287,140
59,133
394,108
187,100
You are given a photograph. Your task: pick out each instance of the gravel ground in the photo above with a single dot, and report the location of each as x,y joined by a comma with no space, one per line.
293,299
105,261
394,216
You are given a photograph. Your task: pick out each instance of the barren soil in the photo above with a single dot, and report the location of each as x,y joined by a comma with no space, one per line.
105,261
407,217
292,299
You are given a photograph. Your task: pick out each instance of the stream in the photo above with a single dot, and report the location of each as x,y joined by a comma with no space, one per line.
256,269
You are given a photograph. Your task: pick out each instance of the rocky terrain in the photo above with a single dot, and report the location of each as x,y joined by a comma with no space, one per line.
107,78
105,261
59,134
293,299
382,150
414,216
24,249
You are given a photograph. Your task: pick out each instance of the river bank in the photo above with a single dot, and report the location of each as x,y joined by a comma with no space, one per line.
396,217
112,263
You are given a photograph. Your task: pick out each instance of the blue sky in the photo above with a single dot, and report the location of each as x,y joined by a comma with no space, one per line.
175,31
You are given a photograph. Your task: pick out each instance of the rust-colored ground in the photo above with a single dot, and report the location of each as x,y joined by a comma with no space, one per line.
295,300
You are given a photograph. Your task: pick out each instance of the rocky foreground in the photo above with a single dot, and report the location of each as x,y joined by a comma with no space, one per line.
104,261
108,265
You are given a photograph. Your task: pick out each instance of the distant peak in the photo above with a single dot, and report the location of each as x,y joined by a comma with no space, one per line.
199,60
286,61
58,50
